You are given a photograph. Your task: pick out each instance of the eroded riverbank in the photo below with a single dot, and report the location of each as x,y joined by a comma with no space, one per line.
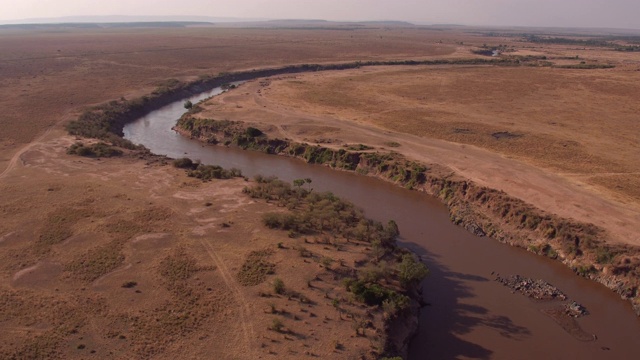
481,210
470,315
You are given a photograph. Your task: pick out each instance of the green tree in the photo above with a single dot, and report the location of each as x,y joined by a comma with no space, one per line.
411,271
298,182
188,105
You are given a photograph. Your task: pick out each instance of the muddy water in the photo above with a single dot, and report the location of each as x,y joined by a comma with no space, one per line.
470,316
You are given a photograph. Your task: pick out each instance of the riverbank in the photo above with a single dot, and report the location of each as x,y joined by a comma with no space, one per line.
159,261
581,246
478,256
483,211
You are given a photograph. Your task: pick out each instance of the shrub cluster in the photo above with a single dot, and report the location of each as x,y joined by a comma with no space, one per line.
319,212
96,150
205,172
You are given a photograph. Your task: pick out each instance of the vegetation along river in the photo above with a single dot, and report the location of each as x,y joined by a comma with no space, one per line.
469,315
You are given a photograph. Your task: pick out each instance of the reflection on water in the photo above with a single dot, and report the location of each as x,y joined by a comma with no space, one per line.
470,316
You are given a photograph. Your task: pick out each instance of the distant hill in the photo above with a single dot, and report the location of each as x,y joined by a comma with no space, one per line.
111,19
116,21
49,26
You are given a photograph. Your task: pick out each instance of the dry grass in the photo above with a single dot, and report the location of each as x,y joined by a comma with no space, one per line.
628,184
469,105
48,77
256,267
147,225
512,111
119,220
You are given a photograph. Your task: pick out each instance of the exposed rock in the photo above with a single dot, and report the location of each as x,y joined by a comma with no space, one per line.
535,289
543,291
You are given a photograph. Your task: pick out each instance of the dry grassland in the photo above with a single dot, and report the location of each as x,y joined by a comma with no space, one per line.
564,140
129,260
48,77
582,122
115,258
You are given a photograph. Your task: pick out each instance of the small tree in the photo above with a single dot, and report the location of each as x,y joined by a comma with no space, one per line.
188,105
411,271
298,182
308,181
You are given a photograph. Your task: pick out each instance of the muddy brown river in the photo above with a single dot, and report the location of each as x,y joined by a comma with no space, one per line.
470,315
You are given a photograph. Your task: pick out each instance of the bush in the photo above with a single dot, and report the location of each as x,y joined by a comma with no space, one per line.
208,172
184,163
604,256
96,150
276,325
370,294
129,284
253,132
278,286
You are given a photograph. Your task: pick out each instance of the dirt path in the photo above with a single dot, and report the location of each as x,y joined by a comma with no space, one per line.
13,162
244,308
563,194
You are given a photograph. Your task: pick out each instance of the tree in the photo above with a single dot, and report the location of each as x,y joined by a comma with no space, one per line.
390,234
411,271
188,105
298,182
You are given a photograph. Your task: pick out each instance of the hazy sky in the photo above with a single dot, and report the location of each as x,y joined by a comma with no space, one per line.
569,13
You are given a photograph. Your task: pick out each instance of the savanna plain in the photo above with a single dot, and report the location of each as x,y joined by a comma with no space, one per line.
121,254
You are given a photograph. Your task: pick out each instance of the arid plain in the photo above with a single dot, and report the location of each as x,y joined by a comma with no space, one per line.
565,140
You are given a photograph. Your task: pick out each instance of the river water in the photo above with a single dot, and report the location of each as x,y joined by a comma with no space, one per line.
470,316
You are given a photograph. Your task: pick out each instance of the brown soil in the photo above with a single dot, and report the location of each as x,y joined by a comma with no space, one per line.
134,259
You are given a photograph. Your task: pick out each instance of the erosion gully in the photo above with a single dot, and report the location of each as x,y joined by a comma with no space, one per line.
469,316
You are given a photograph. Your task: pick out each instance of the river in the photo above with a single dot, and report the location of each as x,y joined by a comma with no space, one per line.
470,316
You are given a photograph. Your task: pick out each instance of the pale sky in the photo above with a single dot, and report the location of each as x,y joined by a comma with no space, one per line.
561,13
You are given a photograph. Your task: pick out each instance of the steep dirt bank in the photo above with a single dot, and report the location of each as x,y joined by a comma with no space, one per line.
483,211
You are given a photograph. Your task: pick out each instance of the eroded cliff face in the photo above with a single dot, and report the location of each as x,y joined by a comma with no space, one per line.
483,211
